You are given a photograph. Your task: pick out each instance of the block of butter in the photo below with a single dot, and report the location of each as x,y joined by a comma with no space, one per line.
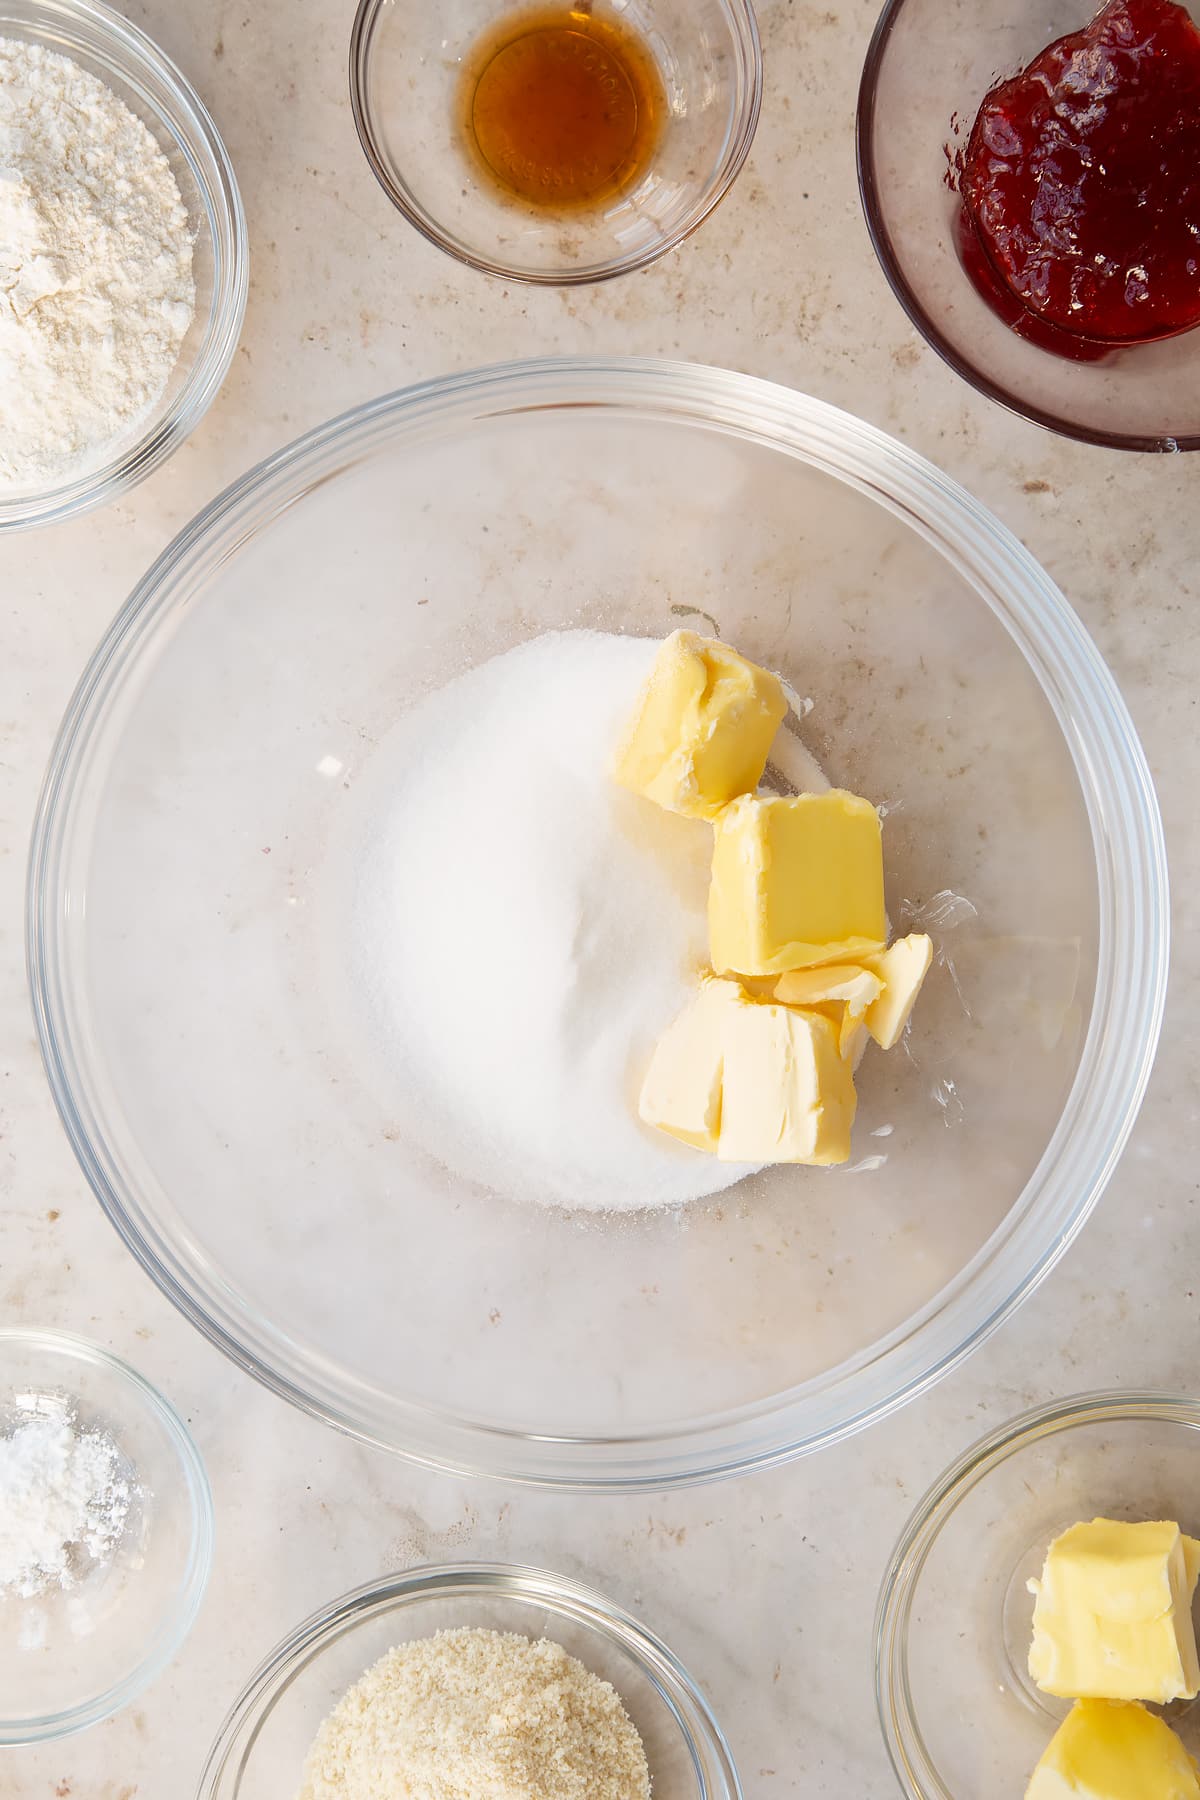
796,881
901,969
750,1081
842,992
858,987
787,1091
1112,1615
681,1091
702,729
1114,1750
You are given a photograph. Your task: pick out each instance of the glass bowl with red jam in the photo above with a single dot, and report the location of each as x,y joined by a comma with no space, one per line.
1031,182
555,141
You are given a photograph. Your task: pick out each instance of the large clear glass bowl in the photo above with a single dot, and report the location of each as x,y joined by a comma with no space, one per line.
961,1717
190,950
929,65
260,1750
125,59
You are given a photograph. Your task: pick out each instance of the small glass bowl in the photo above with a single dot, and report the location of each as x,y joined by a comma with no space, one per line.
406,66
72,1657
929,65
961,1717
261,1748
125,59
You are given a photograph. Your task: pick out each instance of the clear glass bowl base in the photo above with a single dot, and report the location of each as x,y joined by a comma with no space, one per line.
961,1715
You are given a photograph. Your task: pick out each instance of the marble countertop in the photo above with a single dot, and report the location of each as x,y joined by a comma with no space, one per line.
766,1586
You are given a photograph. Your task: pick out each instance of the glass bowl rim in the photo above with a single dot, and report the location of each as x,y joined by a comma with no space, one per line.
902,1734
139,59
558,1594
927,327
1130,872
178,1619
743,23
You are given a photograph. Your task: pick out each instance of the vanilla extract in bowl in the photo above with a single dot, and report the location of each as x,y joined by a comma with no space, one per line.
562,108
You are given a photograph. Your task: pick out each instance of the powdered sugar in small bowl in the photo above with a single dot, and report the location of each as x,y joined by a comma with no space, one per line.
106,1531
110,360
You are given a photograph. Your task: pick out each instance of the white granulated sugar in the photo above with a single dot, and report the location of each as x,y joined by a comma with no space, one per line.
527,929
478,1715
64,1500
96,287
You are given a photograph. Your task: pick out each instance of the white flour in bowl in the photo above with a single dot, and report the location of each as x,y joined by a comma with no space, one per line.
96,287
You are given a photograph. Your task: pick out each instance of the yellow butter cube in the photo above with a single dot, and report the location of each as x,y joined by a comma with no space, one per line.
1112,1616
795,882
851,1032
702,729
681,1092
857,987
852,1037
841,992
1114,1750
787,1092
901,969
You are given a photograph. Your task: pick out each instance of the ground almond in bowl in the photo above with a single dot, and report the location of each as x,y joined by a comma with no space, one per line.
478,1715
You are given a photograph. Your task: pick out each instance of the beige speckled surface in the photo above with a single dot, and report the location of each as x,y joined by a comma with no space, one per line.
765,1587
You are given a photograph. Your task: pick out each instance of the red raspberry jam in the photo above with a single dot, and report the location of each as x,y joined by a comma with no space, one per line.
1082,178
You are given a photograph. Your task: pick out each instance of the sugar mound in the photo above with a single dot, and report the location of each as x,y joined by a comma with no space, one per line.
527,929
